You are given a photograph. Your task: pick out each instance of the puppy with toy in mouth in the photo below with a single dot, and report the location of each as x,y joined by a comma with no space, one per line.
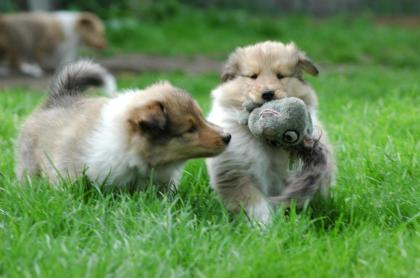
252,174
125,141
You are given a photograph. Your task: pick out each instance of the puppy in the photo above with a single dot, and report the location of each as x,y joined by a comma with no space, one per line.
33,42
250,174
128,141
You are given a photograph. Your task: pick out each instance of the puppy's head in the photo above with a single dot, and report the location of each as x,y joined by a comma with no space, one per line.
168,126
91,30
268,71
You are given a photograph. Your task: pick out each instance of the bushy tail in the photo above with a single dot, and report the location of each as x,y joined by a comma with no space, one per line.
73,79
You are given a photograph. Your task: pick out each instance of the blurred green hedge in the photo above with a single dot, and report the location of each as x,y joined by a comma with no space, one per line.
154,10
158,10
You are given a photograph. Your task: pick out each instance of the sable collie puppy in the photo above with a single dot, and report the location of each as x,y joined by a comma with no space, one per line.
127,141
251,173
33,42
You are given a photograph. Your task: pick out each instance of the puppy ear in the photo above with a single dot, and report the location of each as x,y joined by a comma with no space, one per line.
150,119
307,65
230,70
86,22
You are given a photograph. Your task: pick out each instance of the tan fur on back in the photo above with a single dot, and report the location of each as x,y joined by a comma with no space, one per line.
58,137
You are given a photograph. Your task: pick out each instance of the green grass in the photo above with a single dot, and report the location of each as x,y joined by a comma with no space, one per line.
369,228
216,33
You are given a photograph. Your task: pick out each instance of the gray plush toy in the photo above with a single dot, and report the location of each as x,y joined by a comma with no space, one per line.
284,122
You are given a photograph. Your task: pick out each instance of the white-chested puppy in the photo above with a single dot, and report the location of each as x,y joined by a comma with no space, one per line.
33,42
251,174
126,141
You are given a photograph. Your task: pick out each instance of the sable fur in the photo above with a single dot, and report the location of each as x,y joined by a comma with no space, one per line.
250,173
126,141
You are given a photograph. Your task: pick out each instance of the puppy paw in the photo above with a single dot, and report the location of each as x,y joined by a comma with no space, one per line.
259,213
32,70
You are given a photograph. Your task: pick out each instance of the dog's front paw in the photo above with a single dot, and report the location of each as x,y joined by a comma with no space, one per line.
259,214
32,70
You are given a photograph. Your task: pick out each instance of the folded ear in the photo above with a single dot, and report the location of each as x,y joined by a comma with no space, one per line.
86,21
150,119
307,65
231,68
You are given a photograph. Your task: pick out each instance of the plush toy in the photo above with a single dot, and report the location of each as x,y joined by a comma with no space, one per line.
284,122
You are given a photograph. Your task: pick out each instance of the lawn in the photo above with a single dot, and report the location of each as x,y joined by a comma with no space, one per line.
369,228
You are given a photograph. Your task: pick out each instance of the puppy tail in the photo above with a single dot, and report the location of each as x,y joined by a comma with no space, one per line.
73,80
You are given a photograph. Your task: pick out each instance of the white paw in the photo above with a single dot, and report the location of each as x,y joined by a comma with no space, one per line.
32,70
260,212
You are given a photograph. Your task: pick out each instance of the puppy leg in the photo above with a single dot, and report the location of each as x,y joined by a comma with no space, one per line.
26,162
238,192
4,71
13,60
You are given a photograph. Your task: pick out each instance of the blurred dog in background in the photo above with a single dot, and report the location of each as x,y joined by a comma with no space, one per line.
31,43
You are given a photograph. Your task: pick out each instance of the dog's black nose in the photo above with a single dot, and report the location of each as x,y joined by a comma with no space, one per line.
226,138
267,95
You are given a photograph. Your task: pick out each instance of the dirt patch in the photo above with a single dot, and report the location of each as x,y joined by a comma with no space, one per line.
123,63
399,21
139,63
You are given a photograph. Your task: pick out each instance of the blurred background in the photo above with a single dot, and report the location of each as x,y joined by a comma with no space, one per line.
332,31
196,36
161,8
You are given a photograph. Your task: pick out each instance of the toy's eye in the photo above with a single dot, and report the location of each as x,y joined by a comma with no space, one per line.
280,76
290,137
254,76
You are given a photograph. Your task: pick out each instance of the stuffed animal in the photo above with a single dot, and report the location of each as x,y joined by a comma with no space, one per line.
284,122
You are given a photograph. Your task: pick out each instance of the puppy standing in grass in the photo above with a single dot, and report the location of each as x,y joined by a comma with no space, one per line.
121,141
33,42
252,174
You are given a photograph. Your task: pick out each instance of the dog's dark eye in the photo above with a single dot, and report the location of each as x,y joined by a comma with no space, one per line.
254,76
280,76
192,129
